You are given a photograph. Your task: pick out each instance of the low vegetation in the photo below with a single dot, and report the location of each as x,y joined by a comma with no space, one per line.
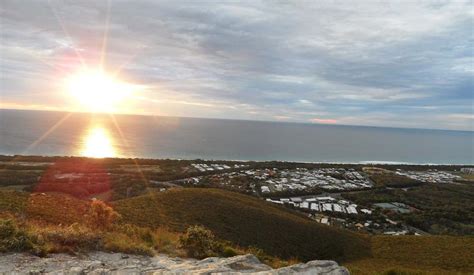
441,208
165,223
244,221
199,242
417,255
202,222
95,225
13,238
393,180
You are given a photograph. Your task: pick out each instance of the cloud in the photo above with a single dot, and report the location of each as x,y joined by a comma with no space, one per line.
324,120
265,60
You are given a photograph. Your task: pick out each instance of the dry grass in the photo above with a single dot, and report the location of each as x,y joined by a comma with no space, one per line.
121,242
56,208
151,224
167,241
51,238
13,201
418,255
66,239
244,221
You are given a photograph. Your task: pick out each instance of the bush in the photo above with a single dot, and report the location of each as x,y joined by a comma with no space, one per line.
69,239
101,215
120,242
228,251
395,271
13,238
198,242
139,234
166,241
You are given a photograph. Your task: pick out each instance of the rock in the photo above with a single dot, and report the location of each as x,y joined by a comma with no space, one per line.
314,267
101,263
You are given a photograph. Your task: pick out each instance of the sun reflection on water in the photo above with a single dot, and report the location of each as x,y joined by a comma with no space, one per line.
98,144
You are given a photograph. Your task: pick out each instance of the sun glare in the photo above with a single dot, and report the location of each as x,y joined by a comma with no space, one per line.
98,144
96,91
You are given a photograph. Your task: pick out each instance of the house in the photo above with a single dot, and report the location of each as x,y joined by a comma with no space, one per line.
337,207
467,170
366,211
327,207
297,199
351,210
394,206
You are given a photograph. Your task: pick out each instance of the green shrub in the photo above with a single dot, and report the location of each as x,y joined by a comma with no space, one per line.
12,238
228,251
198,242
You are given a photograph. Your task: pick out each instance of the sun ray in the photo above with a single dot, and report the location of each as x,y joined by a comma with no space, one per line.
60,23
103,54
48,132
119,68
125,141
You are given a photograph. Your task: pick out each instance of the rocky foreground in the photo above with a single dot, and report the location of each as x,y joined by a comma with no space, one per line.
117,263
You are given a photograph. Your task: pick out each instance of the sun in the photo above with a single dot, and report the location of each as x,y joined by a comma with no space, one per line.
96,91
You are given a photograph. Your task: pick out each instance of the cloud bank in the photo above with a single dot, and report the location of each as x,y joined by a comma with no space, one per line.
404,64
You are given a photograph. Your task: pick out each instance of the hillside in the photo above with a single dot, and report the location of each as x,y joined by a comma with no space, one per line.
417,255
245,221
52,208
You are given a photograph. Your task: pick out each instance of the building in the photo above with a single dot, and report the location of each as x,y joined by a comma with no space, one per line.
469,170
394,206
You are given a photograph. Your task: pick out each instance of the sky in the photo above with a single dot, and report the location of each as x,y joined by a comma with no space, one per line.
377,63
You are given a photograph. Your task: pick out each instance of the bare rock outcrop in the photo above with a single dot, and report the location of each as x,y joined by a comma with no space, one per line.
101,263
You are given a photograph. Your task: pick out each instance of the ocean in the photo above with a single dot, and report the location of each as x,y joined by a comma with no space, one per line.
102,135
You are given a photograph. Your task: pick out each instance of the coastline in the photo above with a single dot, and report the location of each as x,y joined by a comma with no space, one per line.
360,163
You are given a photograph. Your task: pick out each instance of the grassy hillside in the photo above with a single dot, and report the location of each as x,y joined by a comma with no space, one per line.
50,208
418,255
246,221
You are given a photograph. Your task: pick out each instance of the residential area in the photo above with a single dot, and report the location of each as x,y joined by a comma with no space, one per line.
324,178
203,167
268,181
330,209
432,176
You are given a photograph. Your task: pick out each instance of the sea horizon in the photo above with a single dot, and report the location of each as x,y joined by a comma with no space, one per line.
168,137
